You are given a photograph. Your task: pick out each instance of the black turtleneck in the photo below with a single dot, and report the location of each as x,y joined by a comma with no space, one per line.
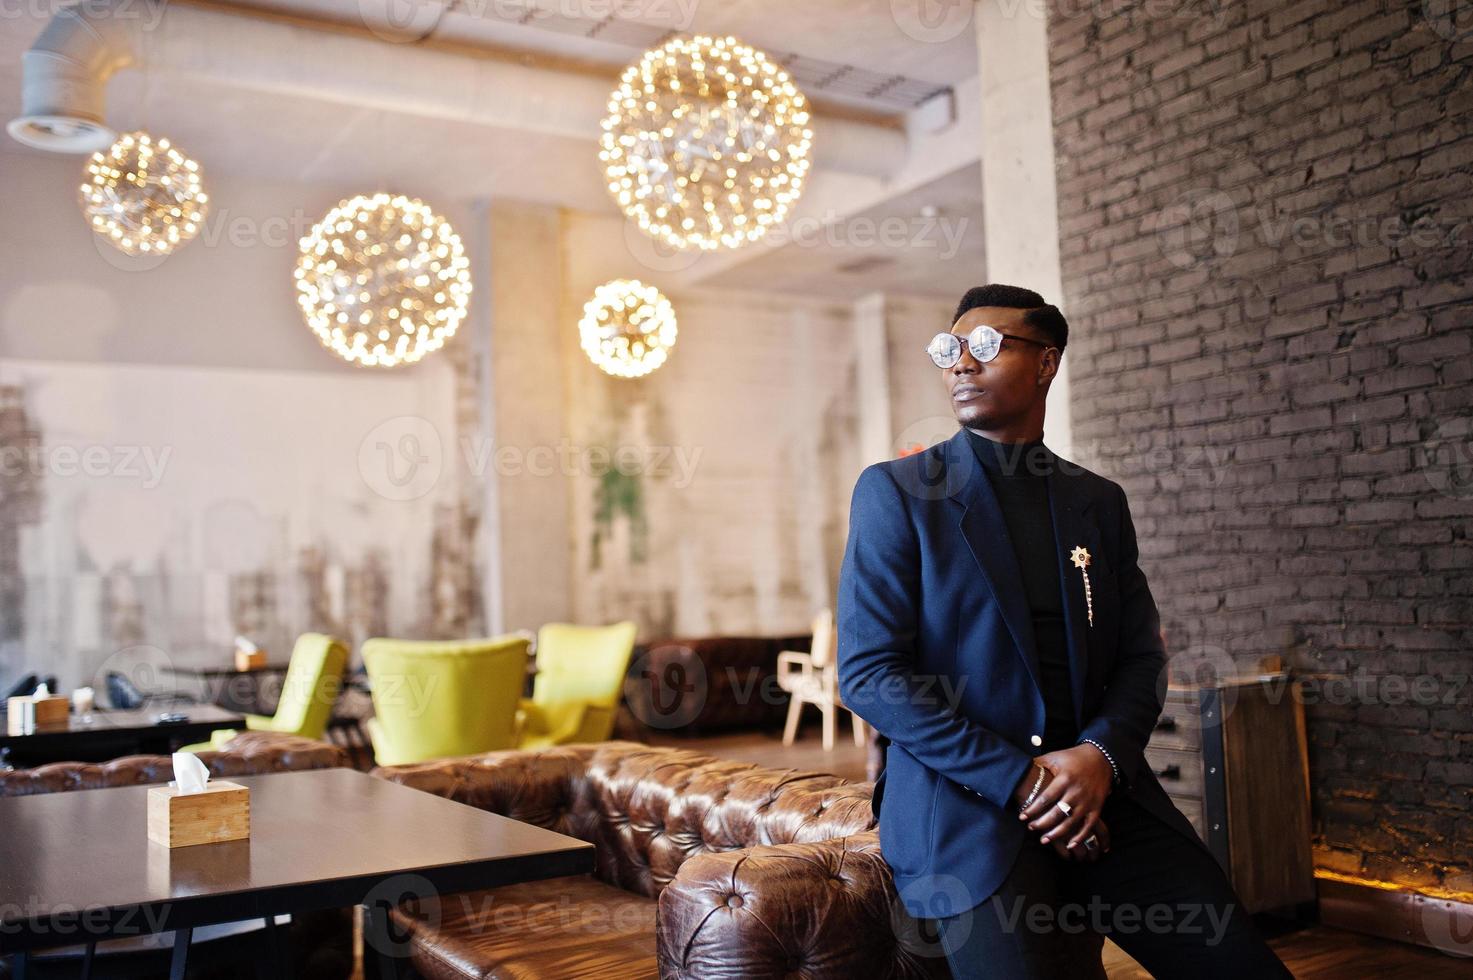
1018,474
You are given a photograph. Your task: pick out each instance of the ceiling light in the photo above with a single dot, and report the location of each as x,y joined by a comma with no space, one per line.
706,143
628,328
143,196
383,280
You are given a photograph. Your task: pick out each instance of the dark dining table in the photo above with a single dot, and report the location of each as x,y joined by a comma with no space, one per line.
101,735
79,867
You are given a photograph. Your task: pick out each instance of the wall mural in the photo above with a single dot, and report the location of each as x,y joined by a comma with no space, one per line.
618,494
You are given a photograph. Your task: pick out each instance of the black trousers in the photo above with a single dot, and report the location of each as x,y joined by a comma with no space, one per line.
1157,895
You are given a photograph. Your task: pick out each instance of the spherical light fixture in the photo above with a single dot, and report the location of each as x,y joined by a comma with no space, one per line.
143,195
627,328
706,143
383,280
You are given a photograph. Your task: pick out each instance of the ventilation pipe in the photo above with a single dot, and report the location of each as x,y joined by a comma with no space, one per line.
65,75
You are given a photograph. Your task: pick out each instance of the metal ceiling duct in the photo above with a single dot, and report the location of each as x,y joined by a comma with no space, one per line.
65,76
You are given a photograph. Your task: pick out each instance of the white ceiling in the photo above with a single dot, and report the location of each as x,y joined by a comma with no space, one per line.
247,133
256,134
897,247
875,55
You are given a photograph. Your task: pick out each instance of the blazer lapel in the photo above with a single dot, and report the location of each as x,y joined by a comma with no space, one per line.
986,535
1072,528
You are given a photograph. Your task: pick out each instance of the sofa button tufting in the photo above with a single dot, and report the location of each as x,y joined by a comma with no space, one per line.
734,902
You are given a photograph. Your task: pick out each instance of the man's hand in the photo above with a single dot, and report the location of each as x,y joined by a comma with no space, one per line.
1026,784
1081,853
1080,778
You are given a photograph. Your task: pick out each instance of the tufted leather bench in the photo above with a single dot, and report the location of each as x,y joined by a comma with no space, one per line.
704,867
248,754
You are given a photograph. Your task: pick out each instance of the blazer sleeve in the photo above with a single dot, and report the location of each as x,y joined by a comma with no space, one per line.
1136,687
878,611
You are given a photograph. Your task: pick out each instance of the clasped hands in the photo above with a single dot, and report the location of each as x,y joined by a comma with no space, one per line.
1078,777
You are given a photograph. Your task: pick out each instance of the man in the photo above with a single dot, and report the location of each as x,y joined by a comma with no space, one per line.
995,627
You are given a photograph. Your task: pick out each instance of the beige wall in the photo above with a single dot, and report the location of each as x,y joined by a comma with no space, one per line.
750,436
241,478
728,515
1015,116
528,416
920,412
470,493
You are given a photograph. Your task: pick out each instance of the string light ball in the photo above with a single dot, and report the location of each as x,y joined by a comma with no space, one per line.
628,328
143,195
383,280
706,143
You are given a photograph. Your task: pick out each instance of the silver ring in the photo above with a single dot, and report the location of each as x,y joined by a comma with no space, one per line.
1091,842
1064,807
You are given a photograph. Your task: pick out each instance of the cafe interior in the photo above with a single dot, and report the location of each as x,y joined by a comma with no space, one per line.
428,431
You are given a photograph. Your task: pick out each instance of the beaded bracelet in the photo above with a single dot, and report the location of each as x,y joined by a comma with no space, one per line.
1106,753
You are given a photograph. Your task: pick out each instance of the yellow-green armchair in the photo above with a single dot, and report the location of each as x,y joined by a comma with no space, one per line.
308,692
580,676
438,698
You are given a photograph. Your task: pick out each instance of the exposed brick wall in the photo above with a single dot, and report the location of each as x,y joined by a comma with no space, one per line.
1267,258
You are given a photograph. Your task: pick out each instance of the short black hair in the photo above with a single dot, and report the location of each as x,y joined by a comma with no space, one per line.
1045,317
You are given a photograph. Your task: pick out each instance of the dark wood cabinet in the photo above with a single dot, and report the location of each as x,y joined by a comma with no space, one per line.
1233,758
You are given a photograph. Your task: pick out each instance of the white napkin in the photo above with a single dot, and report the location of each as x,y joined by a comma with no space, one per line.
42,691
244,645
190,774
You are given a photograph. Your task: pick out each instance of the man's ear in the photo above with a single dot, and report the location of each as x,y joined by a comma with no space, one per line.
1048,365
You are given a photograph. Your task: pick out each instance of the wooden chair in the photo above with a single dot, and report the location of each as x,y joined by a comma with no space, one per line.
813,678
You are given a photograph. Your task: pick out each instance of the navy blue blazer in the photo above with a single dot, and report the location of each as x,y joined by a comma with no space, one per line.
936,651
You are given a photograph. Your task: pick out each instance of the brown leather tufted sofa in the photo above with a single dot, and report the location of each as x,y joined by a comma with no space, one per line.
248,754
705,867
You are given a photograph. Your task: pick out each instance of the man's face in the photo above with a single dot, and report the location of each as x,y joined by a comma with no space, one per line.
1006,388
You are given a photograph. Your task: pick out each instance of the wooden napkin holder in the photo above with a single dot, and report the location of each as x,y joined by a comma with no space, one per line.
26,714
250,659
219,812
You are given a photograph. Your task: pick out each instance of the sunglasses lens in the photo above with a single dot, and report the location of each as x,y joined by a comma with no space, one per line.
984,343
945,349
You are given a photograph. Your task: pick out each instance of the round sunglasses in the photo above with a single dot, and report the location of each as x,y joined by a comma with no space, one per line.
984,342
